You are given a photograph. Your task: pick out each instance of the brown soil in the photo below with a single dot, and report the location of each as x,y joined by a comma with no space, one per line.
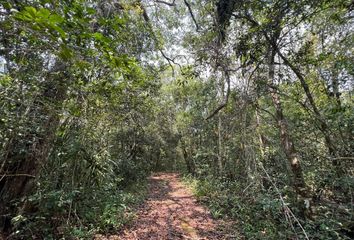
170,212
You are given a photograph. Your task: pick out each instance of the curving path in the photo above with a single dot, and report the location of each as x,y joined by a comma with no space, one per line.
170,212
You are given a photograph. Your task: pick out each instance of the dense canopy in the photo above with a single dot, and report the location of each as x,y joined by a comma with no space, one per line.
251,101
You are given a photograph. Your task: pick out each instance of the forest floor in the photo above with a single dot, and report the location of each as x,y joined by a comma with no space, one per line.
171,212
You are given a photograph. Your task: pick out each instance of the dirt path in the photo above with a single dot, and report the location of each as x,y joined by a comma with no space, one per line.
170,212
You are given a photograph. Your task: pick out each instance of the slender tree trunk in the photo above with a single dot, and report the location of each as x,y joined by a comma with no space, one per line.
189,162
286,141
322,124
220,158
260,137
335,87
220,147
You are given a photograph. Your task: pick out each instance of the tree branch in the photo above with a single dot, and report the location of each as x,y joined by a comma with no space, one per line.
169,60
167,3
19,175
192,15
226,99
147,20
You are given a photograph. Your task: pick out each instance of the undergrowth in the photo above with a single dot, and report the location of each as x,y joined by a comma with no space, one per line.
79,213
260,214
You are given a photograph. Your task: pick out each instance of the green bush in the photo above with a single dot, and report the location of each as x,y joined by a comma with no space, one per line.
260,214
78,214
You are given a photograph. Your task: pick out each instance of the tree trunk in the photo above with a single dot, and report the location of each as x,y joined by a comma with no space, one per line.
189,162
220,148
260,137
322,124
286,141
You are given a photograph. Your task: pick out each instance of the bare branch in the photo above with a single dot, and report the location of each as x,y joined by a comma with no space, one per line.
169,60
19,175
167,3
226,99
287,210
264,110
192,15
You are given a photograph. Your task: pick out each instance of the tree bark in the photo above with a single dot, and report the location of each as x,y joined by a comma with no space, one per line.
220,147
189,162
260,137
286,141
322,124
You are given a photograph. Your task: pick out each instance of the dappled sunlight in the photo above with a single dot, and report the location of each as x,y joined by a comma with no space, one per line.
107,105
171,212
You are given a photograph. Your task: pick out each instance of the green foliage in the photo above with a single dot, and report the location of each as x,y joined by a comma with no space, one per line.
75,117
261,215
78,213
89,107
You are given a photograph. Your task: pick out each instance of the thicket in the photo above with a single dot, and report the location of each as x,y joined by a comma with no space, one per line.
272,148
78,105
265,115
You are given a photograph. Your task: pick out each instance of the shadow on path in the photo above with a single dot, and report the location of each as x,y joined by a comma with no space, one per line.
170,212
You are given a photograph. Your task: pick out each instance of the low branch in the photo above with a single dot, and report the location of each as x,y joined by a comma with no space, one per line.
256,105
343,158
16,175
287,210
221,106
226,99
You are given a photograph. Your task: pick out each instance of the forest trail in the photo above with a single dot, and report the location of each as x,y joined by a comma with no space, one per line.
170,212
